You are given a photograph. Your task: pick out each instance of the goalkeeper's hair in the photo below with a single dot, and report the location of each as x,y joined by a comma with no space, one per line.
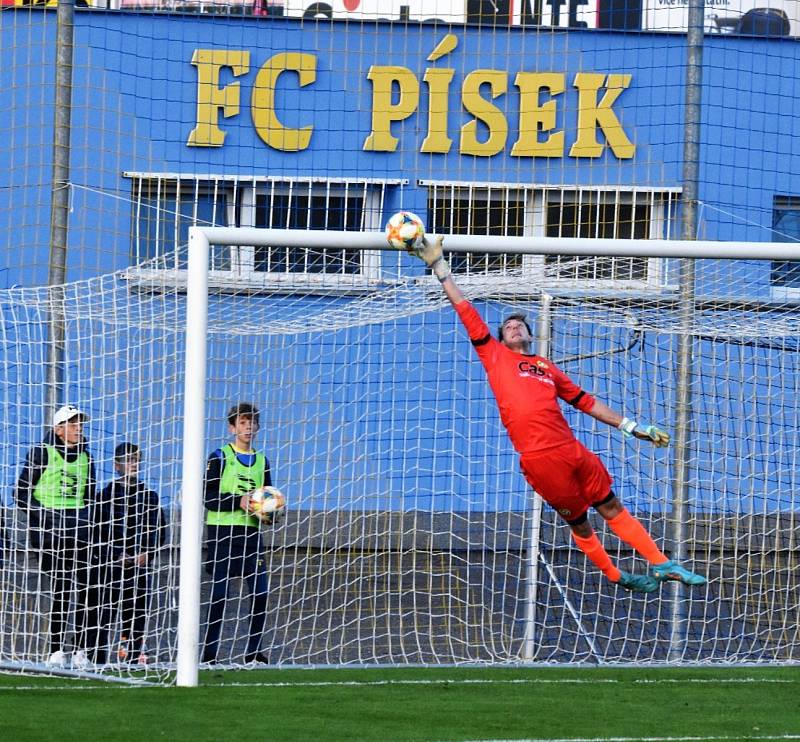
518,316
246,409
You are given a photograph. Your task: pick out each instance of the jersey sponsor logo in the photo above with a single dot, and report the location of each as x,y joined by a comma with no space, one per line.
534,370
530,369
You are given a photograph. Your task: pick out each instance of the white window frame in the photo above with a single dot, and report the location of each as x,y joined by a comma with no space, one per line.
372,193
242,193
663,203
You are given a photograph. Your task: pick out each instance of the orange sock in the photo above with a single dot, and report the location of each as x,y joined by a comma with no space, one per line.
632,532
597,554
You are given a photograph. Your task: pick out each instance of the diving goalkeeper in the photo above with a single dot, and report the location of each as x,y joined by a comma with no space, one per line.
567,476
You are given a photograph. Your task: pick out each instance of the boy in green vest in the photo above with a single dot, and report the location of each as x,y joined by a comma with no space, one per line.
56,489
233,540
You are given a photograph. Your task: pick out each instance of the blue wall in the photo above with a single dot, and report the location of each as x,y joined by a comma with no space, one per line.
138,106
135,104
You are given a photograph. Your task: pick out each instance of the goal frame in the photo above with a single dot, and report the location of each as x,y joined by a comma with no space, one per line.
194,443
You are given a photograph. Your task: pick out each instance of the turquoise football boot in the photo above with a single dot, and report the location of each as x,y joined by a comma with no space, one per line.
637,583
673,571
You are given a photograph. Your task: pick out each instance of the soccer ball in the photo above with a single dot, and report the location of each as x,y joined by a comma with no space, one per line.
405,231
268,504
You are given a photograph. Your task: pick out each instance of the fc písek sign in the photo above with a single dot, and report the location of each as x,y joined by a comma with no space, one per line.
397,95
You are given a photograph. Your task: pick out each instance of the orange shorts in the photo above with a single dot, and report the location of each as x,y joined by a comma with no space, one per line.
569,478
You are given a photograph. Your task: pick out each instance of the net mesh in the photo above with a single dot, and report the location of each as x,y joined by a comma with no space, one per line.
409,536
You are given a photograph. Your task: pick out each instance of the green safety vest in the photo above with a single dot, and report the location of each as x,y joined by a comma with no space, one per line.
63,483
237,479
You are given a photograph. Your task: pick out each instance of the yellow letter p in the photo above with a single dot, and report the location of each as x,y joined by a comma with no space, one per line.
384,111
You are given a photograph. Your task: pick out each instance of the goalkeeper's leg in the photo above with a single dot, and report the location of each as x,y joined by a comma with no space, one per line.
633,533
570,478
257,576
629,529
216,613
259,585
586,540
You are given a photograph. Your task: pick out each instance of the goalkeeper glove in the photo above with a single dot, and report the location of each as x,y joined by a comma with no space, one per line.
659,438
431,254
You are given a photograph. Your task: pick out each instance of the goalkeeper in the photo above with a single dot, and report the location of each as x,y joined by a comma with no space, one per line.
567,476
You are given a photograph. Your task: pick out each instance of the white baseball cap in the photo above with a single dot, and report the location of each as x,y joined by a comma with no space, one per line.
66,413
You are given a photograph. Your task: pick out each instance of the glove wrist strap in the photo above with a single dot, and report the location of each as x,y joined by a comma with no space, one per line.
441,270
627,426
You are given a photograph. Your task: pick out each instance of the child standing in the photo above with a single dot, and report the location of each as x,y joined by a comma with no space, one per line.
233,540
134,531
56,490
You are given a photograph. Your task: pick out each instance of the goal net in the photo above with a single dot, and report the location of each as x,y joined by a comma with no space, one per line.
410,536
531,135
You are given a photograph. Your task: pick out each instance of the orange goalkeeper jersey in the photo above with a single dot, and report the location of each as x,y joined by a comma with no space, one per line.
526,387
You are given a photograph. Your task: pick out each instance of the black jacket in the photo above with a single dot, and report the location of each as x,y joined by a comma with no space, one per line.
131,520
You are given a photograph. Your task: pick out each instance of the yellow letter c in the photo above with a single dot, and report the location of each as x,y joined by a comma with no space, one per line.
265,120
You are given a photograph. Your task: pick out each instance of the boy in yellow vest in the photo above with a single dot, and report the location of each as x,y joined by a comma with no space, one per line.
56,489
233,540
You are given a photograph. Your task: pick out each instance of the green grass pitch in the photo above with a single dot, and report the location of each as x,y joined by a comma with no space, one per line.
415,704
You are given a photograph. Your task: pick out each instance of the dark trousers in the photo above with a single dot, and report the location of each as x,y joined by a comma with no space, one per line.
130,590
235,551
76,598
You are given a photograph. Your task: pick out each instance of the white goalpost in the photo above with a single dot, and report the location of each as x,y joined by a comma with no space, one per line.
735,323
193,461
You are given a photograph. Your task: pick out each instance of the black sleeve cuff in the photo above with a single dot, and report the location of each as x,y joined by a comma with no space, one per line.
574,402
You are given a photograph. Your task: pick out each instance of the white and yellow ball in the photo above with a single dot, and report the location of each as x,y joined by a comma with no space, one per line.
405,231
268,503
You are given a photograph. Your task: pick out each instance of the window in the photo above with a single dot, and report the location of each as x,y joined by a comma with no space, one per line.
468,210
786,228
163,214
286,208
548,211
165,206
601,215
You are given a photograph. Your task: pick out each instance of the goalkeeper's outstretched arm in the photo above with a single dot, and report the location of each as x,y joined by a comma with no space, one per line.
432,255
655,435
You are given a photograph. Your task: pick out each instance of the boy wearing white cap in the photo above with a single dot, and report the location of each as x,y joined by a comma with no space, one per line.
56,489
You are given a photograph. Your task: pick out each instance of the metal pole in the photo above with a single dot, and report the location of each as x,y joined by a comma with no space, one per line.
683,368
543,338
59,201
311,238
194,426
